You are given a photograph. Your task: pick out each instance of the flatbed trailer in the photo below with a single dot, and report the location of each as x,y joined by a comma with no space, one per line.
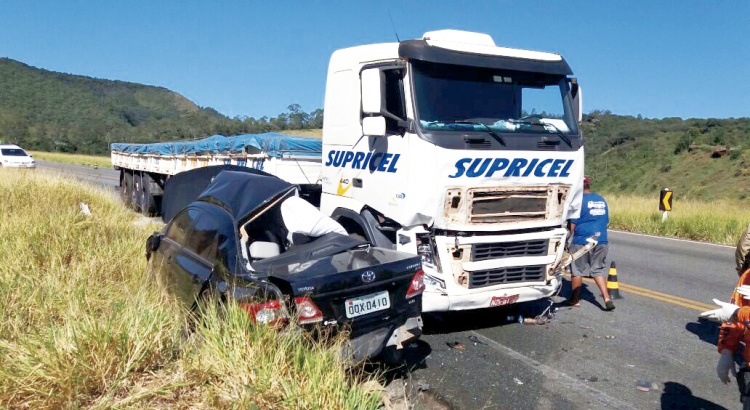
145,168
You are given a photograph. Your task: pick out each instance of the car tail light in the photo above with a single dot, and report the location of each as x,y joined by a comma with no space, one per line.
416,286
269,313
307,311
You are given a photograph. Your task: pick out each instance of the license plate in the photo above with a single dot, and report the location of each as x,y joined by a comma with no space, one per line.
503,300
367,304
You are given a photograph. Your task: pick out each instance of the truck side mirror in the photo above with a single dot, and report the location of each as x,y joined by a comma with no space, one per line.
373,126
575,92
373,90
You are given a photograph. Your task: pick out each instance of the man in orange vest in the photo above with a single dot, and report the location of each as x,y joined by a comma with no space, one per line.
735,319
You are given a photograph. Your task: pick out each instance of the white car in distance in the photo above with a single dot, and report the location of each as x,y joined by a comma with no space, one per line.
13,156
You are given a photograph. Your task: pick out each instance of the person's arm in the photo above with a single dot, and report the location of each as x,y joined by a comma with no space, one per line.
571,231
741,253
730,334
606,204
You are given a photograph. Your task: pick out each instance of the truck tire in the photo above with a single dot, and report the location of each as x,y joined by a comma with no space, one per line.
126,188
135,193
147,200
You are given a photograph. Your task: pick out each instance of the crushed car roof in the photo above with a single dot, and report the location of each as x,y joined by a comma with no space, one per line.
241,194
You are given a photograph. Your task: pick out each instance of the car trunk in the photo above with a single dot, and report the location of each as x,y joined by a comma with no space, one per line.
362,287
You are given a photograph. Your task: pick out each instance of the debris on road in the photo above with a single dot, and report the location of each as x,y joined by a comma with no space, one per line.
476,340
646,386
85,208
517,380
539,320
456,345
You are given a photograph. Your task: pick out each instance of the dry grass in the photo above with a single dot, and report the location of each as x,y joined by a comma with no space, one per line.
316,133
84,326
73,159
720,221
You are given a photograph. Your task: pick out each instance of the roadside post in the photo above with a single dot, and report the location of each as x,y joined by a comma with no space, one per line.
665,203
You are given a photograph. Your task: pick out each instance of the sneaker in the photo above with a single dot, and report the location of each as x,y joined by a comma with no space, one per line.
609,305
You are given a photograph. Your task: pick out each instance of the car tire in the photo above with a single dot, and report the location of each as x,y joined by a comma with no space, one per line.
126,188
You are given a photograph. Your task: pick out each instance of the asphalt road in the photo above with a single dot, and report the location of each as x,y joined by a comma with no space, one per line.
583,358
102,176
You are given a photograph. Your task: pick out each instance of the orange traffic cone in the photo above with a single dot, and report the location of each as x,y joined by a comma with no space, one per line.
613,287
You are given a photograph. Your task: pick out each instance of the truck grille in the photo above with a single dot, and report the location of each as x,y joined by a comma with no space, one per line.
500,205
485,251
514,274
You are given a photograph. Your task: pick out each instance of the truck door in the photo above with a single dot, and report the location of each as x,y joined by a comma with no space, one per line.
388,168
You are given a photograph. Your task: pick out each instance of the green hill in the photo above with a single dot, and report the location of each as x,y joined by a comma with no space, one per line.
697,158
48,111
45,110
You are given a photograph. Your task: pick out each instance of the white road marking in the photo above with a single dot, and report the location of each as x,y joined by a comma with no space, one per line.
672,239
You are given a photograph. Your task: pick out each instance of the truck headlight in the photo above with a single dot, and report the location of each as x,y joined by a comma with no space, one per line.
426,251
431,281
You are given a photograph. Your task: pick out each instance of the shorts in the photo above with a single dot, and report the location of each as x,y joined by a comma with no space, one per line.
592,263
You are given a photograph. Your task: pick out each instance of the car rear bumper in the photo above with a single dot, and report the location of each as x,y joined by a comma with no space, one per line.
18,165
371,344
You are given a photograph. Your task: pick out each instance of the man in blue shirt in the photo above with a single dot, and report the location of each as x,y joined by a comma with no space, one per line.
594,220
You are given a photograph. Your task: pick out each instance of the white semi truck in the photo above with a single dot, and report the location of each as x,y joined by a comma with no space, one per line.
449,147
463,152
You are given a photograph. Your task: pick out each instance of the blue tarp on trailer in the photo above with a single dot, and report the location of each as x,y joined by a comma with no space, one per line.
272,143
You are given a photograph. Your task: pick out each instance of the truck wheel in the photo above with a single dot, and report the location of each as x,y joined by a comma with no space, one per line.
148,203
126,188
135,195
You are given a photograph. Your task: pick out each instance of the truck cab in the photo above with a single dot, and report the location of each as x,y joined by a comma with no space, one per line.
460,151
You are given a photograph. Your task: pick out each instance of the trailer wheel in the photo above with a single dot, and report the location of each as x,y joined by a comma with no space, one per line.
126,188
147,200
135,193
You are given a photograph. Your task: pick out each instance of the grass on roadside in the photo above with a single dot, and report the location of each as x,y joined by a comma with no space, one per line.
720,221
74,159
84,327
313,133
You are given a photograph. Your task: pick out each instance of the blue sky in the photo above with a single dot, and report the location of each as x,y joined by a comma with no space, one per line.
688,59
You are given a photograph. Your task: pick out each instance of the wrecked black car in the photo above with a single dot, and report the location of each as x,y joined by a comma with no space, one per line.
248,237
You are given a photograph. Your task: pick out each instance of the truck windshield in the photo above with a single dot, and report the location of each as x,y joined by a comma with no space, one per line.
459,98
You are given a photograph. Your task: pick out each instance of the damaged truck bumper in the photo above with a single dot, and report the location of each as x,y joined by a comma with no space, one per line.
437,301
372,344
481,271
